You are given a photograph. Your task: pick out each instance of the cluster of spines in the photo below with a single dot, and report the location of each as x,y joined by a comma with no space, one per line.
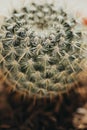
47,63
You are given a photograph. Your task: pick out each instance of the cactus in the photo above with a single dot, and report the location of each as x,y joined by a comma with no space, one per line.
42,50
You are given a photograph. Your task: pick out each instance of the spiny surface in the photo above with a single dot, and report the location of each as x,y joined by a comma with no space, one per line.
41,49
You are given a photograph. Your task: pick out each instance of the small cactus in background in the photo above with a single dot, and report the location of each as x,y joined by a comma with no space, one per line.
42,50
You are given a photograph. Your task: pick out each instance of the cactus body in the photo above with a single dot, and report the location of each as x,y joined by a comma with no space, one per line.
41,50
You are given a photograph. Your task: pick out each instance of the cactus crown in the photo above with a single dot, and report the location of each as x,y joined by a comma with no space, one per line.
41,49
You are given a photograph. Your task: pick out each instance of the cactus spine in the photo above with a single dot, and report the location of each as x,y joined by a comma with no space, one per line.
42,49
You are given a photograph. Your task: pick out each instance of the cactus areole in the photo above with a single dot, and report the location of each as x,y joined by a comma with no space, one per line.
41,49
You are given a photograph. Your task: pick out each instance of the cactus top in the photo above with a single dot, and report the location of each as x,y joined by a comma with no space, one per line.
41,49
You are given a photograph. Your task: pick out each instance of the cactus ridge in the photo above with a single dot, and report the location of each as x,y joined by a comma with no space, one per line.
41,49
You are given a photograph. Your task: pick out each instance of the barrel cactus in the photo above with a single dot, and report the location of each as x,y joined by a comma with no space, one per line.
42,50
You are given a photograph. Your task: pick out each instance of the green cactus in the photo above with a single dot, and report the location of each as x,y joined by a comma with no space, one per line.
42,49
